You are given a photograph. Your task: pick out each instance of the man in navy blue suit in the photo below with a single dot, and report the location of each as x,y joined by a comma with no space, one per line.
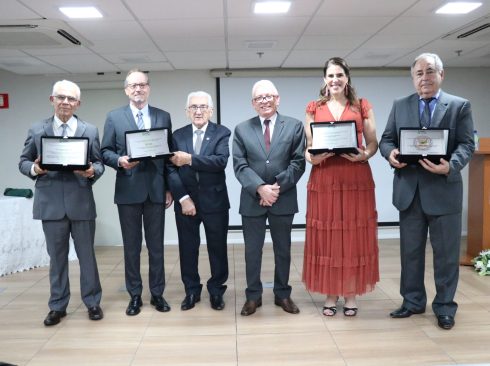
199,189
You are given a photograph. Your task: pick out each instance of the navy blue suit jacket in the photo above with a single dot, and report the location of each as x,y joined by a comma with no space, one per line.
209,193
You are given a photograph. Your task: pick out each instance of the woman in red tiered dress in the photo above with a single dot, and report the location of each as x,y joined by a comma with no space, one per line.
341,248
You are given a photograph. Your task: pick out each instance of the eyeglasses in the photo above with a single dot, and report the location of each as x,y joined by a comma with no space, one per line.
262,98
62,98
135,85
194,108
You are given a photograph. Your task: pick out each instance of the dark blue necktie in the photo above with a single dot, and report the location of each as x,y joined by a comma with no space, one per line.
425,118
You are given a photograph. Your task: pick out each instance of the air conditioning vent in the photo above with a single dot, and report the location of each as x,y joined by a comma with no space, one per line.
38,34
476,31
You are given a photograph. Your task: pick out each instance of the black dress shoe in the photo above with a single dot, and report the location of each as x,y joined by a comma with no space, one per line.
217,302
134,306
403,312
287,305
189,301
95,313
445,321
54,317
160,304
251,306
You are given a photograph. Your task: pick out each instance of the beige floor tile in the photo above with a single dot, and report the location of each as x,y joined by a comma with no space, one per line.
315,348
188,350
408,346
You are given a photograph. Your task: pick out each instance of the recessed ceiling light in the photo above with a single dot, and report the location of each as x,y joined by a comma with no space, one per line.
272,7
459,7
81,12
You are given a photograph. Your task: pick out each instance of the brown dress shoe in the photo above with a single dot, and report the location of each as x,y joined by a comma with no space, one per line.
287,305
250,306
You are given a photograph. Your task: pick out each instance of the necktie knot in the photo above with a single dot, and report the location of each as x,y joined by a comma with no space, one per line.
197,145
425,118
267,135
64,133
139,121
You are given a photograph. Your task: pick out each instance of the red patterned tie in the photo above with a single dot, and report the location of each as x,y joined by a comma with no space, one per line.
267,135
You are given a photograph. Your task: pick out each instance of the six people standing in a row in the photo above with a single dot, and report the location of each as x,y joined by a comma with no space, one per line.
269,150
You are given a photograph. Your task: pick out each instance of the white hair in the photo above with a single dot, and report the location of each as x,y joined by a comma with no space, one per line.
266,84
433,56
68,85
200,94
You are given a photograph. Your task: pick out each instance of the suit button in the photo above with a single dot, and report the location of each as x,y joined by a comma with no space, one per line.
267,161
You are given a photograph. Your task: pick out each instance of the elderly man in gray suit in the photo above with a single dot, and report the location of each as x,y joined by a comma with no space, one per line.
141,194
429,196
268,159
64,201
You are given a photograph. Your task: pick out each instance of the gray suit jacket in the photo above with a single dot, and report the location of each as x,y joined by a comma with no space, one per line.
148,178
59,193
439,194
284,164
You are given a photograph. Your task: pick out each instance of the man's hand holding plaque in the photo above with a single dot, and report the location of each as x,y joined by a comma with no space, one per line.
429,144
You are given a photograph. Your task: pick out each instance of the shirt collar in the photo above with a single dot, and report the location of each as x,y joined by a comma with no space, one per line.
143,110
436,97
203,128
71,123
272,119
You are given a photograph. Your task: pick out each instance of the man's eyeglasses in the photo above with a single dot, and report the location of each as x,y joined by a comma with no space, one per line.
135,85
61,98
194,108
262,98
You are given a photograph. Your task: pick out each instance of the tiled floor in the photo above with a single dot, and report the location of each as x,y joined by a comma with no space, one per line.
202,336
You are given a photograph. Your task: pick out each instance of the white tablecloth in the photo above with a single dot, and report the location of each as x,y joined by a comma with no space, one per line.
22,243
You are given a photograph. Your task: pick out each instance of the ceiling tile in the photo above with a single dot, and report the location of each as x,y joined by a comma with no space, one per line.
80,64
170,9
345,26
190,43
299,8
178,28
197,60
111,9
313,58
12,9
254,26
363,8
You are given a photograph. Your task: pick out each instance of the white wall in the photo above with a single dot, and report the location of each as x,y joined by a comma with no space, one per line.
29,103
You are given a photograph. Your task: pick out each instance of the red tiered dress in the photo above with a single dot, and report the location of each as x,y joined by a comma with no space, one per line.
341,246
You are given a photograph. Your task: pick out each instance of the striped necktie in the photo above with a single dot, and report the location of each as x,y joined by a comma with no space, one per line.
140,123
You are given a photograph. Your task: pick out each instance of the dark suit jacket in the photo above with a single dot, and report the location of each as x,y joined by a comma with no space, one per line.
439,194
59,193
254,166
148,178
209,193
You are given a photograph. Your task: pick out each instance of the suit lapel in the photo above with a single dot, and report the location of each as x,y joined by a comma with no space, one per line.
208,136
130,119
278,127
81,127
257,128
153,117
189,146
413,111
48,127
439,110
